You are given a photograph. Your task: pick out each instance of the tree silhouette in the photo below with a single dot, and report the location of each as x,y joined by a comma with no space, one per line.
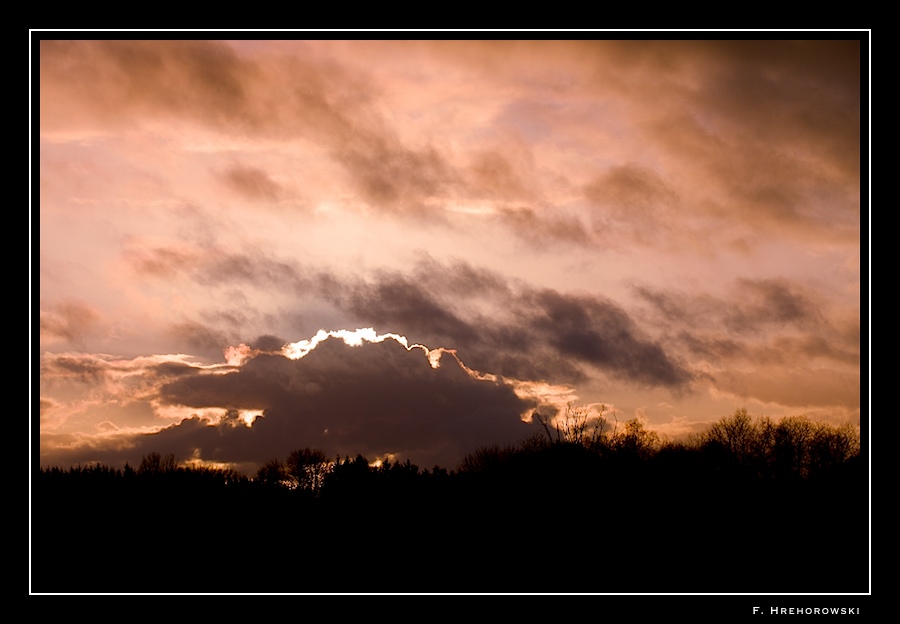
306,469
272,474
735,434
635,441
577,425
156,464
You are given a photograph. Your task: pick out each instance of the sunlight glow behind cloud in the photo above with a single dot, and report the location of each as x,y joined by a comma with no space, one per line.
555,396
353,338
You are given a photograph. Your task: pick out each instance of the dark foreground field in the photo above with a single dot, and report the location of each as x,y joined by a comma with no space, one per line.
557,517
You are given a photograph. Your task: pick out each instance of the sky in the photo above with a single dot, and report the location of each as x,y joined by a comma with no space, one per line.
406,248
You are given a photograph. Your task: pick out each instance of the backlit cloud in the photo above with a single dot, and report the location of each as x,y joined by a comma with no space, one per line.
371,395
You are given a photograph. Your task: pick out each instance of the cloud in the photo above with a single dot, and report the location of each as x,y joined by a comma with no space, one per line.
767,133
394,300
600,333
541,333
47,408
199,338
772,340
525,332
268,343
502,174
376,398
67,322
251,182
634,202
499,325
755,128
394,178
768,302
210,84
88,369
798,387
199,79
750,307
545,227
164,262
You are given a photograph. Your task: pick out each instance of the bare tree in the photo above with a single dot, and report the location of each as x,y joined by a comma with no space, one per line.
306,469
576,426
154,464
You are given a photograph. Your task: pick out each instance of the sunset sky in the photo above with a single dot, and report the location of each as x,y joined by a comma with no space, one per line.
668,229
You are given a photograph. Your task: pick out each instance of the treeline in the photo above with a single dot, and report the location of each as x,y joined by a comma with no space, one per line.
761,505
738,446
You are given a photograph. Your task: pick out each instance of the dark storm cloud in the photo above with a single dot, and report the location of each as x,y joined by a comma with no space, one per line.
393,300
374,399
263,387
529,333
540,333
600,333
268,343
